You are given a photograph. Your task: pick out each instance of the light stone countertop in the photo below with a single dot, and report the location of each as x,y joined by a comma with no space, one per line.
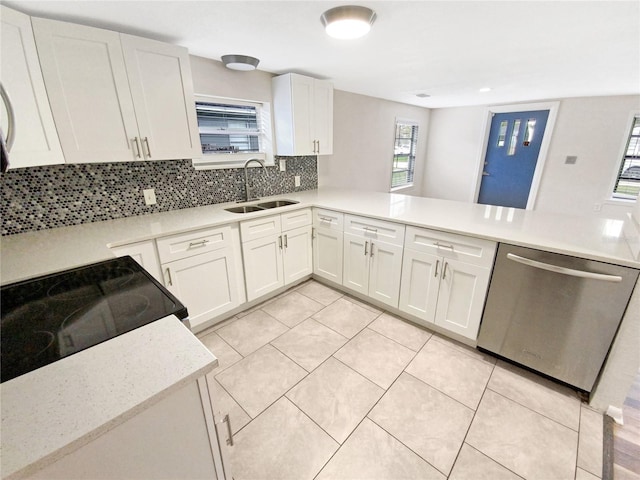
38,253
56,409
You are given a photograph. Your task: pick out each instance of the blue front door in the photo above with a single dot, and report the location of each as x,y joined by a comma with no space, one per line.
512,154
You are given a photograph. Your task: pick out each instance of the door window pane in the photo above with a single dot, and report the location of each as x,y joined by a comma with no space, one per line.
514,138
502,134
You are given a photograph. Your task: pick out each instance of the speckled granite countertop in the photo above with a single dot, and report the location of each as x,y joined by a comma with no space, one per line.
56,409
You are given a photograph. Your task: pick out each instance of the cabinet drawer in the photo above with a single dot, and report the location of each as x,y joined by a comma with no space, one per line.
328,219
459,247
260,227
295,219
376,229
187,244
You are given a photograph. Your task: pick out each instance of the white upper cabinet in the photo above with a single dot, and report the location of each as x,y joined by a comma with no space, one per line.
303,113
36,140
116,97
162,91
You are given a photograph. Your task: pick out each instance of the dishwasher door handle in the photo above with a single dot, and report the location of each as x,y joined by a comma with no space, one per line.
564,270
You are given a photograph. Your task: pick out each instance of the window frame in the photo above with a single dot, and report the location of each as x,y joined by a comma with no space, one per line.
413,123
620,197
212,161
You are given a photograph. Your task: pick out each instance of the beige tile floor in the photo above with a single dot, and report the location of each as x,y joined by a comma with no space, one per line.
321,385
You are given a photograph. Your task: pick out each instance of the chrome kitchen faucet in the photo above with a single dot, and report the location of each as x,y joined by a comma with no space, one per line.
247,197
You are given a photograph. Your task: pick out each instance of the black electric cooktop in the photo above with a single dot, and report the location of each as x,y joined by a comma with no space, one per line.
47,318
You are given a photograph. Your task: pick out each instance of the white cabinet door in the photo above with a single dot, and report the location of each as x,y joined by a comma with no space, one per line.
298,259
36,139
327,254
162,92
263,265
323,116
88,88
206,284
385,270
303,114
463,289
355,274
420,284
145,254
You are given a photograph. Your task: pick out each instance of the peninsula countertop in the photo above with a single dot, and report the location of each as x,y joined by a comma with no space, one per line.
58,408
37,253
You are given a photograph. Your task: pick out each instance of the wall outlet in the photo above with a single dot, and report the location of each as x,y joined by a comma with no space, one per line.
283,165
149,196
297,180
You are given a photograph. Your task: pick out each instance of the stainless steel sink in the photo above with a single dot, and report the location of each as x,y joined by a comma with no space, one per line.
245,209
277,203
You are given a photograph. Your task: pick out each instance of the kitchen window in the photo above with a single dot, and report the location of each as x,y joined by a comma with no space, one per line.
232,131
404,154
627,184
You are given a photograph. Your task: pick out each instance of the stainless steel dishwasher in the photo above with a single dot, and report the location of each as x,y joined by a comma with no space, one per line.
553,313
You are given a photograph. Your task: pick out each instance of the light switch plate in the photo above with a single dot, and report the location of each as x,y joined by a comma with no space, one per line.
149,196
297,180
283,165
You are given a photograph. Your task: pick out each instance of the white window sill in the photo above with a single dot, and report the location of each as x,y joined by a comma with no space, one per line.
401,188
214,161
621,200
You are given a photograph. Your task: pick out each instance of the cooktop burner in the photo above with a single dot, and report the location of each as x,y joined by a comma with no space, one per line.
48,318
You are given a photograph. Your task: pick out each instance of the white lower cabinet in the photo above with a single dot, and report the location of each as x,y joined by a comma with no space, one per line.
174,438
445,279
328,244
373,258
274,252
203,270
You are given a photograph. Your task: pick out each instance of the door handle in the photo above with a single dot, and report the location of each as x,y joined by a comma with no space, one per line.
563,270
485,174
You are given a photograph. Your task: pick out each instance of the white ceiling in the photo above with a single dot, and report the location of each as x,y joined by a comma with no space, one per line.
524,50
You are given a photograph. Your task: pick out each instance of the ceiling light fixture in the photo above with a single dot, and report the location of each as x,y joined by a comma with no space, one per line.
240,62
348,21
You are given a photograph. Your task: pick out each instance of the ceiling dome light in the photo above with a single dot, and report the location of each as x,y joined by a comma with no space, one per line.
349,21
240,62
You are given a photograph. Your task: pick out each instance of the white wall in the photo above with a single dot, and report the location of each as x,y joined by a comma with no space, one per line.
592,128
363,140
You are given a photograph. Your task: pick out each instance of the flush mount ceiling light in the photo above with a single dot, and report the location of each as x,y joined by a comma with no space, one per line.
348,21
240,62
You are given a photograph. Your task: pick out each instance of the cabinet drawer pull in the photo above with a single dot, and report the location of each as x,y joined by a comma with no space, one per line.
437,264
442,245
146,142
325,219
369,229
227,420
366,246
201,243
137,142
168,272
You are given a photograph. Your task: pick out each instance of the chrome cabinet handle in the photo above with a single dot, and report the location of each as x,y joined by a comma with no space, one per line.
366,247
227,420
11,118
371,249
437,264
313,232
280,242
286,243
325,219
369,229
146,142
137,147
444,270
168,272
201,243
564,270
442,245
318,145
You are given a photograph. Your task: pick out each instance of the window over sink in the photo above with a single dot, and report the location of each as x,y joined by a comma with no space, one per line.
232,131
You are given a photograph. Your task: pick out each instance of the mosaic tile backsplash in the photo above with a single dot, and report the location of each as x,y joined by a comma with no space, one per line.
38,198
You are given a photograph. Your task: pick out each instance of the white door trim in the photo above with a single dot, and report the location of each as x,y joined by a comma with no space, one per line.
544,147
